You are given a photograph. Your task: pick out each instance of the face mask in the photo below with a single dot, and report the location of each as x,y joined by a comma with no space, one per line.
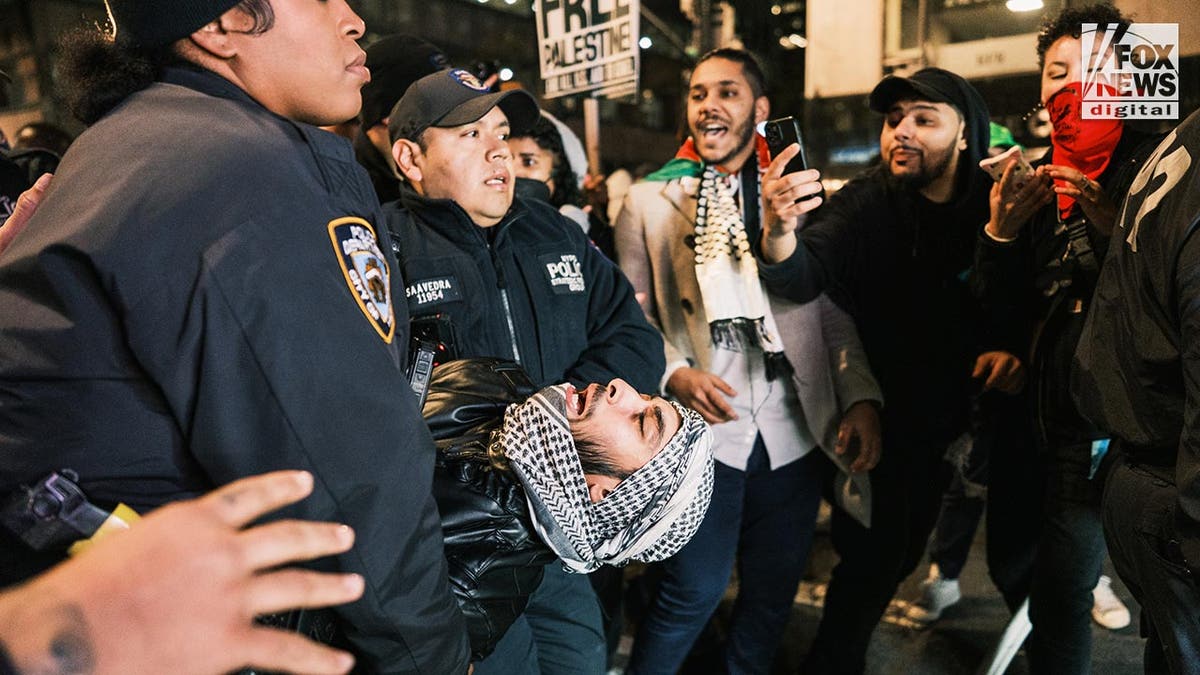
528,188
1085,145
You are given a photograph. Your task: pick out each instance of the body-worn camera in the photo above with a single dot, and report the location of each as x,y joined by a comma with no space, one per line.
780,134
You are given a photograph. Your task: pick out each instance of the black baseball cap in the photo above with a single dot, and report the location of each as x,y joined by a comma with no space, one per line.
928,84
450,98
155,23
396,61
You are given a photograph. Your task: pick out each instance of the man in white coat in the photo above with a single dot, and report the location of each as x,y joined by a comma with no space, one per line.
785,386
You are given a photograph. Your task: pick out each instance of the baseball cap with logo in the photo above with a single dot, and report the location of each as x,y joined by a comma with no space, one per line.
451,98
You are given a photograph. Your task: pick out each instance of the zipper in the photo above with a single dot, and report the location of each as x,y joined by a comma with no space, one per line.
500,283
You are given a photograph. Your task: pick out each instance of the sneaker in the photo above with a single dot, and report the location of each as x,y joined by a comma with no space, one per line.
1107,608
937,593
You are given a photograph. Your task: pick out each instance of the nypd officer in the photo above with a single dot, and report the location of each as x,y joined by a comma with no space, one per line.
204,294
511,278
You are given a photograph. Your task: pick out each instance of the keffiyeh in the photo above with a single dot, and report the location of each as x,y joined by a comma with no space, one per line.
649,516
734,301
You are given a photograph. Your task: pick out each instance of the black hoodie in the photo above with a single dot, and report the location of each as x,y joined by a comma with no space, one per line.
898,264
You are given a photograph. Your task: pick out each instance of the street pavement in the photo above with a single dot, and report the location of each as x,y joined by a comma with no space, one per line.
957,644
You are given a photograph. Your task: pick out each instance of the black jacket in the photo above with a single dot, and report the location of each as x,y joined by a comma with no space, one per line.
532,289
899,265
1035,281
495,557
177,315
1137,369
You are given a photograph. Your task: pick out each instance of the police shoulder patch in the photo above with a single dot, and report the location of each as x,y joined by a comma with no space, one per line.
366,272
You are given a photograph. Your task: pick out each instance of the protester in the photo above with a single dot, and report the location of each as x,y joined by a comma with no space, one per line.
594,476
1037,261
774,379
148,328
894,245
396,61
548,169
136,601
1135,377
495,276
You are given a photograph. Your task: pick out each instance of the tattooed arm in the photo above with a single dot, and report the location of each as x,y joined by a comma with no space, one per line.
178,592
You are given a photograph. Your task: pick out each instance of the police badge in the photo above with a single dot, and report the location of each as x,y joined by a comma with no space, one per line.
366,272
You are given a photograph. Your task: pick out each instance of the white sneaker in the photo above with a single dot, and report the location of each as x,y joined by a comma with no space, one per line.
1107,608
937,593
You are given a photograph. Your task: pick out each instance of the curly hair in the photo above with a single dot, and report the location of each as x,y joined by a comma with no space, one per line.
566,182
1069,23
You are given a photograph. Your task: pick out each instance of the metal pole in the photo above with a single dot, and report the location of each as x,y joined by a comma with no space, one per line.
591,134
923,31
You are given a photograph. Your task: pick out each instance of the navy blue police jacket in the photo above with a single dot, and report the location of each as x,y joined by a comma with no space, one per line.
204,295
534,290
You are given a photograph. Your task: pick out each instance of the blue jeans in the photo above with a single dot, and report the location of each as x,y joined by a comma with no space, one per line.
559,632
765,520
1139,523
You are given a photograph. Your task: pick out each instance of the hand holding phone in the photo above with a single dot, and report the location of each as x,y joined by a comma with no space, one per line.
995,166
781,133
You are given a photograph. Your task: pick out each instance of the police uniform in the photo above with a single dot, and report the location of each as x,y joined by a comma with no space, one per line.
204,295
534,289
531,288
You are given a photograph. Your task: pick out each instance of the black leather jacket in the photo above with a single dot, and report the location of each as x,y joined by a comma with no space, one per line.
494,556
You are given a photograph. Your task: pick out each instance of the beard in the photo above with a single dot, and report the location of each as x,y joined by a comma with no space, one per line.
743,132
929,167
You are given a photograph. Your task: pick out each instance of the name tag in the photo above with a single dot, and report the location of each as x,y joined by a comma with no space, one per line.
435,291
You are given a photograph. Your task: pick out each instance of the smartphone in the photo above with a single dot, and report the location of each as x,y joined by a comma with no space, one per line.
780,134
995,166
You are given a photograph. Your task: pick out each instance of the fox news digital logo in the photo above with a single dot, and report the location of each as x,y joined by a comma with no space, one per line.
1131,74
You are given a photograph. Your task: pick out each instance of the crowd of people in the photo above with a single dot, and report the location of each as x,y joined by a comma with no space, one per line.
274,400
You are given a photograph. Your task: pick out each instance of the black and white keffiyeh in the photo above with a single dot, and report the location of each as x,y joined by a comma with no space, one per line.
649,516
734,301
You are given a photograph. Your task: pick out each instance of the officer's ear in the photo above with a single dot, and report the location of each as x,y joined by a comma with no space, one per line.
408,158
221,37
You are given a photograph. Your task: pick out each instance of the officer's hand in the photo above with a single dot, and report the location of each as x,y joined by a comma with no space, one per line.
27,204
1000,371
703,392
178,592
784,205
1013,202
859,434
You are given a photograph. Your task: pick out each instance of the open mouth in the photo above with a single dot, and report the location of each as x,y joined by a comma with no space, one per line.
578,399
498,181
712,130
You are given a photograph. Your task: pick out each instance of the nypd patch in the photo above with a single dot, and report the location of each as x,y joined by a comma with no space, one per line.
366,272
565,273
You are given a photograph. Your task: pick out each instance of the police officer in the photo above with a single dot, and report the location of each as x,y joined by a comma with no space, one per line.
511,278
204,256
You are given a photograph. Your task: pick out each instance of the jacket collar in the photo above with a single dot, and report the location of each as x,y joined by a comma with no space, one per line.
682,194
451,221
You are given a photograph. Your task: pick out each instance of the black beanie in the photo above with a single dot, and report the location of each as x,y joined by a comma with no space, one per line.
157,23
396,62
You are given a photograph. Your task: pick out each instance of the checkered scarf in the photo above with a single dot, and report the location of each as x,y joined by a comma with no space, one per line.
648,517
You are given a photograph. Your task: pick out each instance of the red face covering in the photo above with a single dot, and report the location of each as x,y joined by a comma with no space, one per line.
1085,145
